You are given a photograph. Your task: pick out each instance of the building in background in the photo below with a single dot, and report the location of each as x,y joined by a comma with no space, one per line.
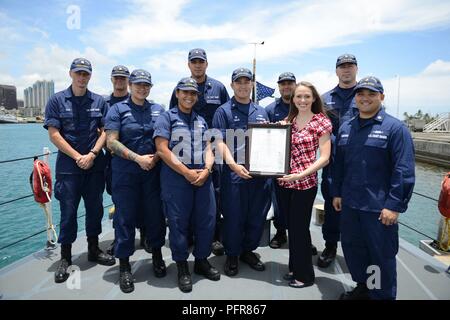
37,96
8,97
27,97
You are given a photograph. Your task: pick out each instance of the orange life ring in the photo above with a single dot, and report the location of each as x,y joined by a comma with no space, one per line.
444,197
41,181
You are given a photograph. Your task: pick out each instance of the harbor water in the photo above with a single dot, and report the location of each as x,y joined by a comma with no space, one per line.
23,218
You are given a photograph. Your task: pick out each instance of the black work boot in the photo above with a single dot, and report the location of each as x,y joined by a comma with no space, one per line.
184,277
231,267
159,266
252,260
361,292
61,273
97,255
217,248
125,277
328,255
278,240
202,267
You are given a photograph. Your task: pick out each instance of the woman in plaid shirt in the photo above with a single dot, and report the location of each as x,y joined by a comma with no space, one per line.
310,131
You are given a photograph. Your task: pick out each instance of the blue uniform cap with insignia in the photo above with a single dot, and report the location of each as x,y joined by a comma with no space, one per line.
241,72
141,76
346,58
371,83
120,71
197,53
286,76
187,84
81,64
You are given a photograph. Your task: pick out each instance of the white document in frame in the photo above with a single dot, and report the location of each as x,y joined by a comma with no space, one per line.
268,150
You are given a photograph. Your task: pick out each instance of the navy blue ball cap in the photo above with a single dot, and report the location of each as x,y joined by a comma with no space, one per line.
286,76
197,53
371,83
241,72
120,71
187,84
81,64
141,76
346,58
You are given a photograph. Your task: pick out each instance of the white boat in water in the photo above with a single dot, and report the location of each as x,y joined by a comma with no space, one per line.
8,118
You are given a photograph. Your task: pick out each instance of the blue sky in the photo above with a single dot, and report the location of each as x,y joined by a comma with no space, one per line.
406,40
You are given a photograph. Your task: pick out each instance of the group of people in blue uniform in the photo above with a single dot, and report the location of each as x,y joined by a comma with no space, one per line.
180,168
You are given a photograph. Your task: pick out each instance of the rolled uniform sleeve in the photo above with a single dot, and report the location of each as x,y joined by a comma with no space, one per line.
112,120
52,118
162,126
403,166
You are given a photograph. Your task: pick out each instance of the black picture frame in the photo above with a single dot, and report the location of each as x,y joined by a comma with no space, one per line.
256,132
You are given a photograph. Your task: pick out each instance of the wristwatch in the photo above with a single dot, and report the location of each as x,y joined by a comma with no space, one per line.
210,170
94,152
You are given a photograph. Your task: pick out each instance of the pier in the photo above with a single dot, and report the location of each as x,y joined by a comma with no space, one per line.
433,148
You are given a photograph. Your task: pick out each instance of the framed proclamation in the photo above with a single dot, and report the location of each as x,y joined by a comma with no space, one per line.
268,149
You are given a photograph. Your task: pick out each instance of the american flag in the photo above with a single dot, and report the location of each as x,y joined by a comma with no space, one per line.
263,91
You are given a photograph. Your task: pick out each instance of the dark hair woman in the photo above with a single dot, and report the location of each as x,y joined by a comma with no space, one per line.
310,131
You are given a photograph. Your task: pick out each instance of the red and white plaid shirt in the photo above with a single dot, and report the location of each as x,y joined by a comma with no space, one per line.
304,145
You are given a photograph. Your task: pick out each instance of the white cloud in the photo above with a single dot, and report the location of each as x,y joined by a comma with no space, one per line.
13,31
53,62
150,24
160,30
9,34
173,62
427,90
438,67
161,92
7,79
287,29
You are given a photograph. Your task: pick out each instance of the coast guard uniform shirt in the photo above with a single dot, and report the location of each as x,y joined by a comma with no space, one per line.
277,110
374,165
78,120
341,103
111,100
212,94
135,125
234,115
341,106
186,132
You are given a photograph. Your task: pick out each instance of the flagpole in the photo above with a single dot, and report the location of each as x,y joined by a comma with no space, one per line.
254,95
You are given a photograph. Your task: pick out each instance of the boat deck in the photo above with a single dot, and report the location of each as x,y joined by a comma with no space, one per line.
419,277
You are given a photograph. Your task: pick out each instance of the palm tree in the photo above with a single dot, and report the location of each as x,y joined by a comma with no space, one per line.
418,114
407,116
